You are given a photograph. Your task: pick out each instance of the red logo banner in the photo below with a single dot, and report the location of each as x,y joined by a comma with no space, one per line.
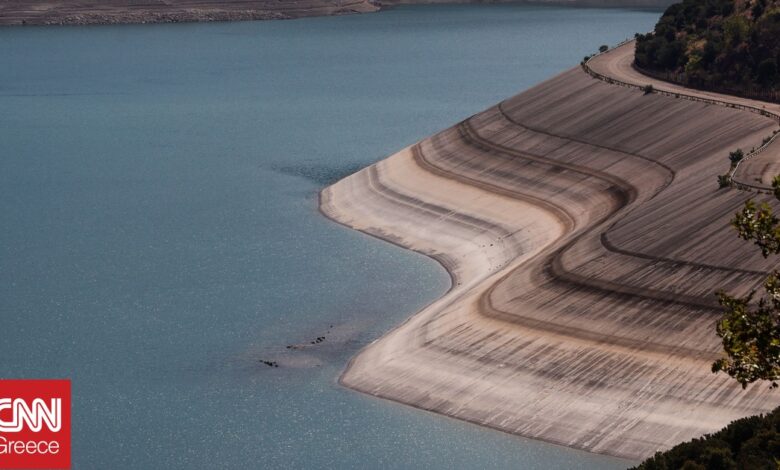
34,424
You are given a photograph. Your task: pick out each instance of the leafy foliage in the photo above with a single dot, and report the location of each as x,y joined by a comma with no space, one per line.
736,156
757,223
751,333
716,43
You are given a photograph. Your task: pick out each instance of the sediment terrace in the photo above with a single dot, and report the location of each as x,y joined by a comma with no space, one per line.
585,234
756,172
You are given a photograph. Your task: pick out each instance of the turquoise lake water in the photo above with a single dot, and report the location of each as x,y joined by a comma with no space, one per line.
160,233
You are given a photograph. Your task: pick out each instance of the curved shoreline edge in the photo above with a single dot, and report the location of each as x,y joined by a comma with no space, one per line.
584,233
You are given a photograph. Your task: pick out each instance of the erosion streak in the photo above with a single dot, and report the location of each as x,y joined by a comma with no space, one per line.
585,237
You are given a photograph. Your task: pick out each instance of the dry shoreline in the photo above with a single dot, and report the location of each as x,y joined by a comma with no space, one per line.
584,233
93,12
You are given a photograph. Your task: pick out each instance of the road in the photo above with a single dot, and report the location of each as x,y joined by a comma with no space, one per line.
756,172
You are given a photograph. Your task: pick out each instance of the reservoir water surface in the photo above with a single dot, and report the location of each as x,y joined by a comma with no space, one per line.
160,234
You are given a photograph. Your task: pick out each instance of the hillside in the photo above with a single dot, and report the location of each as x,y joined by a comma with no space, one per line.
726,45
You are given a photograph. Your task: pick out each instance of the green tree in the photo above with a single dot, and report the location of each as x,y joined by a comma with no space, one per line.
767,71
750,330
717,45
736,156
735,29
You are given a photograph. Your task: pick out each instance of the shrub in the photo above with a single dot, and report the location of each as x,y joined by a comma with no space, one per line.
724,181
736,156
767,72
648,89
603,48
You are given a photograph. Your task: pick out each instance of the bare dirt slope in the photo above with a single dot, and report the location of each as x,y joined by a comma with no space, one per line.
757,171
585,234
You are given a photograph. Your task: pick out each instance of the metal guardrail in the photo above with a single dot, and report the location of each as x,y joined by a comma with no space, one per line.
682,95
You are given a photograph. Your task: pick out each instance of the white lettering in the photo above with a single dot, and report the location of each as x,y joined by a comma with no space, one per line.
28,447
34,416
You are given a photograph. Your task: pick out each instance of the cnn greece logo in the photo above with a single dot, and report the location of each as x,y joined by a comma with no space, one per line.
34,424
